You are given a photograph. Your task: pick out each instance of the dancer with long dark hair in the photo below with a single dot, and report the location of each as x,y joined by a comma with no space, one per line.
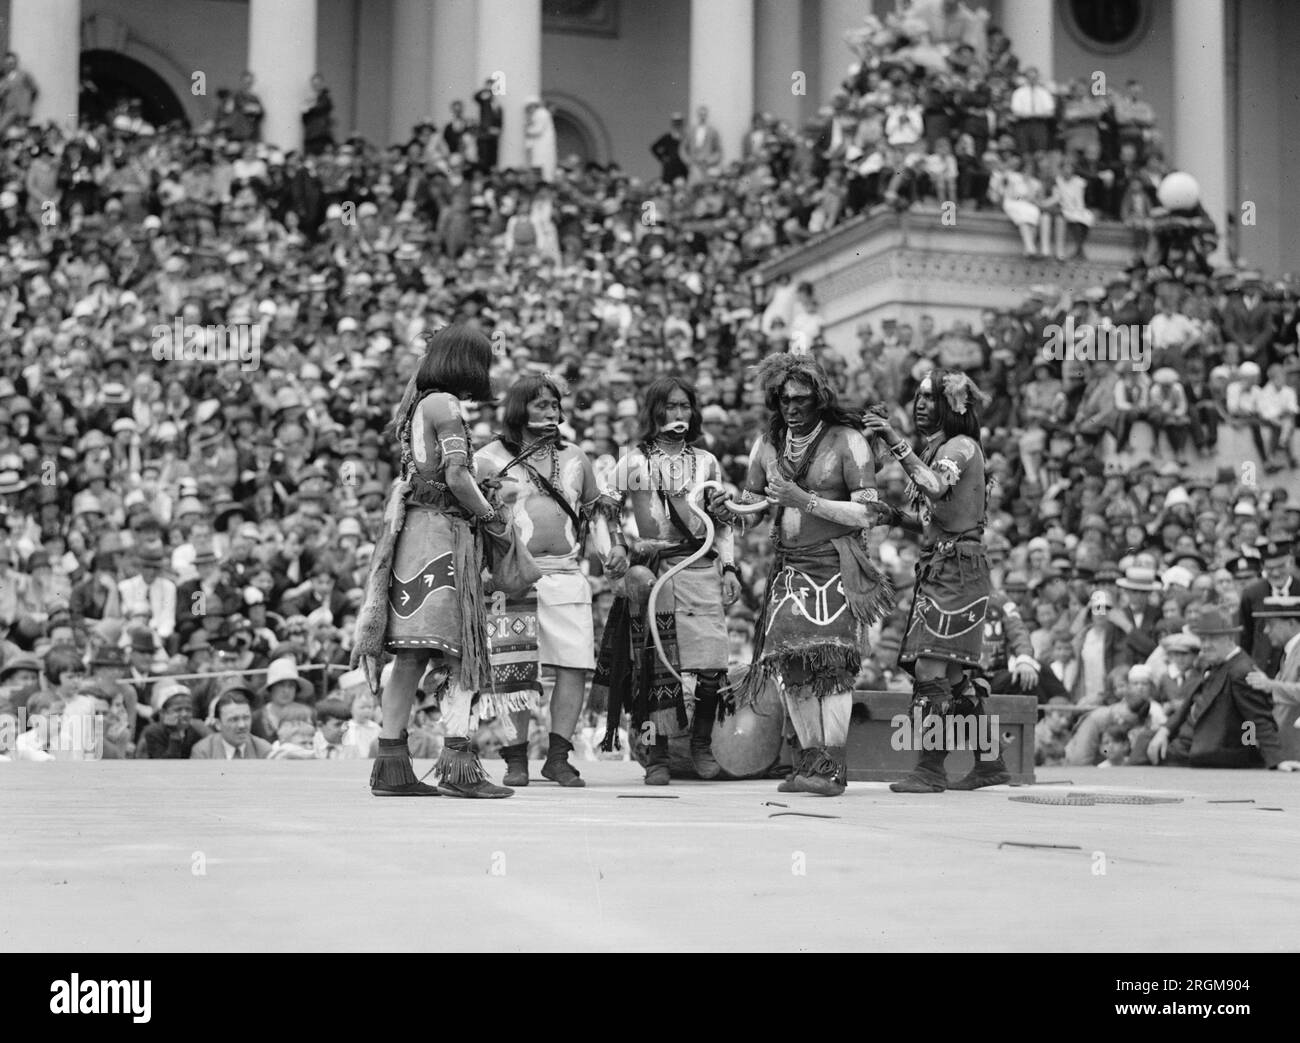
425,596
945,630
816,471
549,485
658,475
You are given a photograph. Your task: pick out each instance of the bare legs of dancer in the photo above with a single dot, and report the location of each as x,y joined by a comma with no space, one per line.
566,707
821,727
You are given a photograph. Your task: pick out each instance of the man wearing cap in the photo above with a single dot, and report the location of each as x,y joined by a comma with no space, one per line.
174,733
1225,722
1281,618
1279,580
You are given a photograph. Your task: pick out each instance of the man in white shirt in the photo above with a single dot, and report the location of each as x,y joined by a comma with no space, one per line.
149,591
1034,109
1276,407
233,739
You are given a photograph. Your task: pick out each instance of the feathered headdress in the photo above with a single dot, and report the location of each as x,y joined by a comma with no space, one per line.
959,389
777,369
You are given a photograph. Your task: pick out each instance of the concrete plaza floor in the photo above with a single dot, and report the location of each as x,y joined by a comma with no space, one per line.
276,856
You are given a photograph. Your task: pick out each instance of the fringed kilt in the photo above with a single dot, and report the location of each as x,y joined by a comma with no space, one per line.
424,609
949,605
808,626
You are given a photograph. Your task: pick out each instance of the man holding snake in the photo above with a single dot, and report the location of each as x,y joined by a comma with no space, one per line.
815,469
657,476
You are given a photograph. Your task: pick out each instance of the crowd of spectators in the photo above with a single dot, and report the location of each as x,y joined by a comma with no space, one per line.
202,338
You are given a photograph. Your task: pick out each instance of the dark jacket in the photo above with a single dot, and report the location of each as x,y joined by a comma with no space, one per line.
1253,640
162,743
1220,738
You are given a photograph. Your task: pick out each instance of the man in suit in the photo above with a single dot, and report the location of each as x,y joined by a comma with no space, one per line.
234,739
702,148
1280,580
1247,320
667,148
1281,618
1224,723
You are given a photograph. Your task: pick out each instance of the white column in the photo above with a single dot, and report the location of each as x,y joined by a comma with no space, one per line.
282,59
510,54
46,36
777,57
722,68
1030,25
1200,105
410,93
837,17
455,57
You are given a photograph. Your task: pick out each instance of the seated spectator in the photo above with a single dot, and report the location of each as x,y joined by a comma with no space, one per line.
1134,710
1207,730
1017,193
1115,747
1052,733
1073,218
174,733
233,739
362,728
332,719
1276,407
295,735
284,688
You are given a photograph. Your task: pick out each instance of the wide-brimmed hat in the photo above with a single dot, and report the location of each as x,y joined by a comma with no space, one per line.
22,663
1136,577
1213,623
164,692
286,669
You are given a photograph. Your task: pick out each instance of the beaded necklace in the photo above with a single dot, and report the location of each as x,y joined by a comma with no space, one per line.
796,446
554,455
662,461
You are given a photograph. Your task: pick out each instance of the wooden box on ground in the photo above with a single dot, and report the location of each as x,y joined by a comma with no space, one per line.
874,737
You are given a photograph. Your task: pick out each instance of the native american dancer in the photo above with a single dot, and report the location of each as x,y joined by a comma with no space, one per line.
815,468
943,642
658,475
552,491
425,593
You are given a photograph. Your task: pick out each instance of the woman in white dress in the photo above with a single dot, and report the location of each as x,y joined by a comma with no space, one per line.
1074,218
1017,192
